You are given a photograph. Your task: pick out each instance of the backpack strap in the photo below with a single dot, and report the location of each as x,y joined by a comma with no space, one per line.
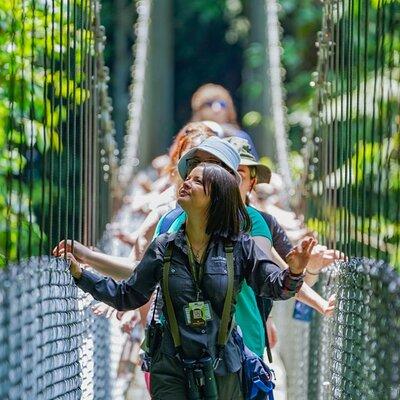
224,328
173,323
169,218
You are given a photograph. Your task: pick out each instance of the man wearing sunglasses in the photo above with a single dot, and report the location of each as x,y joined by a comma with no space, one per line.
214,103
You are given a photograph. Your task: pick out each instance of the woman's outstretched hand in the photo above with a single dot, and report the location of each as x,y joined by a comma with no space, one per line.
299,256
329,308
322,257
74,266
80,252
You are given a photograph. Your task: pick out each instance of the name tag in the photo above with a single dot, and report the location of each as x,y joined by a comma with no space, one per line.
197,313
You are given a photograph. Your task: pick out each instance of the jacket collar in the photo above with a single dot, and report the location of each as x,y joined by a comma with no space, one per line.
179,239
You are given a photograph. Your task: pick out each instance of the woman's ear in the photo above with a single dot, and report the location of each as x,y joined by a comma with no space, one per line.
253,183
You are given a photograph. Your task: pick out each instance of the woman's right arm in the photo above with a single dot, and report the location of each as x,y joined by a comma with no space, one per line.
130,294
116,267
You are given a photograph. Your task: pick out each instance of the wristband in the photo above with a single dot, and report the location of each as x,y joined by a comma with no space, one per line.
312,273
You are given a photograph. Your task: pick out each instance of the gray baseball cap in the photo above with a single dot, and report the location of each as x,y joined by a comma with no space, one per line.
216,147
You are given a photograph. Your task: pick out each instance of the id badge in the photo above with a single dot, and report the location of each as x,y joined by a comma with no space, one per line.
197,313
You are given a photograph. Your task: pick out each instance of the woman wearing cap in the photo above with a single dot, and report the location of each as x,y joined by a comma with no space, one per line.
198,278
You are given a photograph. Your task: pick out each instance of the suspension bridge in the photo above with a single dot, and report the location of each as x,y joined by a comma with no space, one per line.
62,175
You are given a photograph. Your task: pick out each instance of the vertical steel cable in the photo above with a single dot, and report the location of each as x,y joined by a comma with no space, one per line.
67,172
349,118
380,135
397,217
43,223
32,115
364,129
74,120
357,138
81,119
95,165
86,165
61,139
22,127
325,96
397,177
98,131
85,130
52,139
9,144
346,94
347,127
371,209
336,125
342,237
90,187
331,170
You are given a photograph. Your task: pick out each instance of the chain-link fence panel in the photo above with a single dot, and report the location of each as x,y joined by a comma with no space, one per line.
52,345
354,354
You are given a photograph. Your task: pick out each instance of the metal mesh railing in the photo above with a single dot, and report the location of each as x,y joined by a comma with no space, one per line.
356,353
57,180
52,345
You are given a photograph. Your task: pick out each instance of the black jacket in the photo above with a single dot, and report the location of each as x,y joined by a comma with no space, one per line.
250,263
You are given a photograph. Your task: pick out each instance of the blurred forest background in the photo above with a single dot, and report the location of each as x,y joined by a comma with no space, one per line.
193,42
219,41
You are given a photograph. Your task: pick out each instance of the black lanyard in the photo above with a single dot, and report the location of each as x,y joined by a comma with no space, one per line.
196,268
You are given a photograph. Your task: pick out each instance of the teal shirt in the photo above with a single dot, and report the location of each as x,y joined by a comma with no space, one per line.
247,314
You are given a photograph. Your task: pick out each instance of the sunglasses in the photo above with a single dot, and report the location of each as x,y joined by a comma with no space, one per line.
215,105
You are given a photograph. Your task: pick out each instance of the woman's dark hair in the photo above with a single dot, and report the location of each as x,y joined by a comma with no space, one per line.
227,215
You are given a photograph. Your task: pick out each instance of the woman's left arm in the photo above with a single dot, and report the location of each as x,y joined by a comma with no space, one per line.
267,279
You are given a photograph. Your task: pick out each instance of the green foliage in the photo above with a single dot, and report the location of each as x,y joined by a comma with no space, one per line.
33,81
363,211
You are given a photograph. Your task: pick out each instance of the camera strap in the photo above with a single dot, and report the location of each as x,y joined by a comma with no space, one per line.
225,324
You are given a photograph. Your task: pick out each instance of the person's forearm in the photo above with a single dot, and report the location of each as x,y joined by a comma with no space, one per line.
310,279
116,267
278,259
310,297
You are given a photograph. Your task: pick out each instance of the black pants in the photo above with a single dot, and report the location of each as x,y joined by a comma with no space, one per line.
168,381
